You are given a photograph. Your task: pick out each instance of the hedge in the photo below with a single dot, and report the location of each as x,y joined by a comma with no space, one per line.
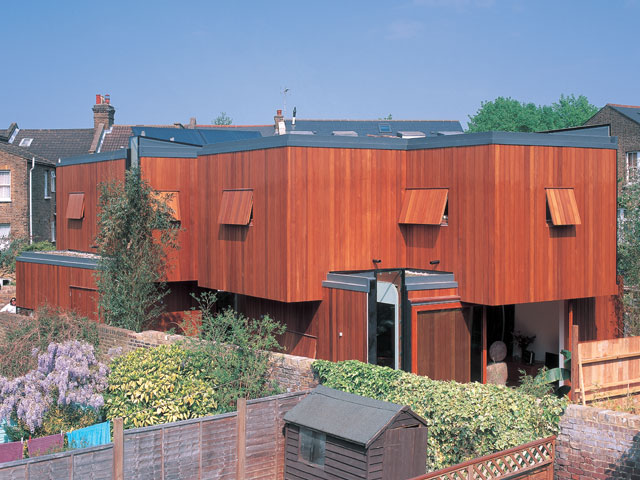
465,421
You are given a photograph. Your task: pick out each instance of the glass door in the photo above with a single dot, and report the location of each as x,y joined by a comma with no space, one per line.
387,334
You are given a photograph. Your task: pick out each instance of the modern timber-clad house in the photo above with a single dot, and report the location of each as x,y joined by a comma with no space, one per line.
416,253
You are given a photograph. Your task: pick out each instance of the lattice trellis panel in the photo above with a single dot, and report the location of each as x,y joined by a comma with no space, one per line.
507,464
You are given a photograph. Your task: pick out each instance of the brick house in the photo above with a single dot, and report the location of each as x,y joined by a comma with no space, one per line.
624,123
19,169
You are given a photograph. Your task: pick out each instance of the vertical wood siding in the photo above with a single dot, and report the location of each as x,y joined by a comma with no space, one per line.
320,209
178,175
443,345
313,328
80,234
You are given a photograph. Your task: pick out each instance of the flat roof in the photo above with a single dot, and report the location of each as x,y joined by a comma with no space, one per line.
387,143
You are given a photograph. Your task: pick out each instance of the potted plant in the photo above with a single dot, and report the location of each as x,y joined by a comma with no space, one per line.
523,342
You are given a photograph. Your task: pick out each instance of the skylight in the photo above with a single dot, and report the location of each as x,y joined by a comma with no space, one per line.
384,128
26,142
344,133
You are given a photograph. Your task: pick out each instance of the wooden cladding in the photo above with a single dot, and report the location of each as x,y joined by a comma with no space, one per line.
171,199
75,206
423,206
236,207
562,206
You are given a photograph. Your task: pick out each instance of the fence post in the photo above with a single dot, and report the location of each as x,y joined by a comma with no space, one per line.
118,449
241,446
575,381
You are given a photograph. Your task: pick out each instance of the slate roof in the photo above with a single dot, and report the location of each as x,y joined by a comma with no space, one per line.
56,143
629,111
350,417
194,136
115,138
372,127
24,153
363,128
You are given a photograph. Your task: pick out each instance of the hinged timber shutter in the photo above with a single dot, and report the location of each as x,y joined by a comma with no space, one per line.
236,207
172,199
562,206
75,206
423,206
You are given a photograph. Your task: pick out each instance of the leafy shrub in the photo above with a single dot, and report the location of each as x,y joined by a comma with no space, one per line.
17,246
158,385
64,392
241,348
464,420
48,325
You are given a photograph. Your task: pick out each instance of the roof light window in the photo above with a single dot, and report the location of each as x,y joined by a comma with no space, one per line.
26,142
384,128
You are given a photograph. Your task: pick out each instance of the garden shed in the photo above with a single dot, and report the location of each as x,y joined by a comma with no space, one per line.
337,435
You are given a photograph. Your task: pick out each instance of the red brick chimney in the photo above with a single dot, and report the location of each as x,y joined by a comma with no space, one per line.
103,112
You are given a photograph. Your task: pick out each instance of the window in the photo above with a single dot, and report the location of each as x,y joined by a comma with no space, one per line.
26,142
5,185
236,207
5,232
562,209
53,231
632,166
425,206
172,200
47,195
75,206
384,128
53,181
312,445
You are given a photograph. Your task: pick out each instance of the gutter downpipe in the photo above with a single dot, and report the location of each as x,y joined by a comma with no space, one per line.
33,165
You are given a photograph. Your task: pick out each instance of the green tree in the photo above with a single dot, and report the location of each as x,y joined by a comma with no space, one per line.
222,119
135,231
510,115
628,254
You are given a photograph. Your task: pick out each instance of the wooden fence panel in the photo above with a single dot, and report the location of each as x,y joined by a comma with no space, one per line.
203,448
607,368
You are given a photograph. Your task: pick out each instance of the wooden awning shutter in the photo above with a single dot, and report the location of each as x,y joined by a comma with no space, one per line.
172,199
423,206
75,206
236,207
562,206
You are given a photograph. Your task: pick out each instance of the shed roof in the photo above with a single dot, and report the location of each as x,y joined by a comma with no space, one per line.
344,415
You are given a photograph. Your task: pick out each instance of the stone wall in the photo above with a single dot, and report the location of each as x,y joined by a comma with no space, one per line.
596,443
292,373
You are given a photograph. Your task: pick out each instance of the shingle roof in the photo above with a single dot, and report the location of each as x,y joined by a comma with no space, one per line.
56,143
629,111
344,415
24,153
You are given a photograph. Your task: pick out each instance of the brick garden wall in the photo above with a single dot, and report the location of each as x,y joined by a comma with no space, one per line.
597,443
292,373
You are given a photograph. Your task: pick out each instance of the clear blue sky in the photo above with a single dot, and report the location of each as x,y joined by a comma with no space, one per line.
167,61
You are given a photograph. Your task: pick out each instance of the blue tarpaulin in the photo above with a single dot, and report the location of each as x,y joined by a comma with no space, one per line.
92,436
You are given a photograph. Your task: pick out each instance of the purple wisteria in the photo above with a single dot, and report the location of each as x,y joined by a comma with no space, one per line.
67,373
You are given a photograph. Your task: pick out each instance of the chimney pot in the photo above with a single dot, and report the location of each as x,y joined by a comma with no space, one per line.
98,99
279,113
107,99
